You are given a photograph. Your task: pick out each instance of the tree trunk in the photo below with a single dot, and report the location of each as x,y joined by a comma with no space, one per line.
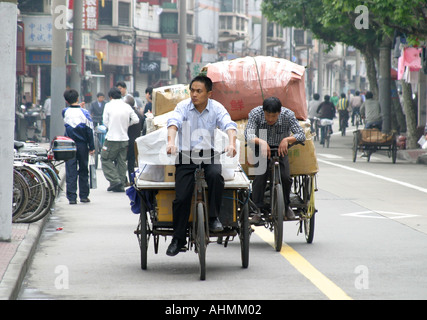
371,70
399,122
411,119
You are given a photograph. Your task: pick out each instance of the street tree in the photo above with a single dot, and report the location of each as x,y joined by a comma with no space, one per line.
391,17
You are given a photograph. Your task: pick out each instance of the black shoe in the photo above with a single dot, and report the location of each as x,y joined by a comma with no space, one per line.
85,200
215,225
175,247
113,186
118,188
72,201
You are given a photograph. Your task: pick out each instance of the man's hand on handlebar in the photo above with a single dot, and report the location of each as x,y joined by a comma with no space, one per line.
231,150
265,148
285,145
171,149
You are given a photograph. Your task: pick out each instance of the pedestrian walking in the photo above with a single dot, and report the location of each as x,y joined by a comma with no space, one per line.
47,108
148,107
117,117
96,109
134,131
79,127
312,109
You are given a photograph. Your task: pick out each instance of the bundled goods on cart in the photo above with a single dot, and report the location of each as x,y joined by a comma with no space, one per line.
243,84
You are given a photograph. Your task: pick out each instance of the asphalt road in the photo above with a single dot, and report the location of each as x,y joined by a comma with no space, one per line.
370,242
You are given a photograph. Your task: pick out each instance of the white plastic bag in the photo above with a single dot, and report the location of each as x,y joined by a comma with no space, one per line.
423,142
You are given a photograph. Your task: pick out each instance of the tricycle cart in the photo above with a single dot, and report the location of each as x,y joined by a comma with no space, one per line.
156,217
369,141
302,160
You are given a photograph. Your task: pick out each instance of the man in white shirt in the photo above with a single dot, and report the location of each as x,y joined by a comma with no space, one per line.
117,117
194,120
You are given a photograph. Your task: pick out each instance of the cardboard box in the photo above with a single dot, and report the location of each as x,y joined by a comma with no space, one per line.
164,206
242,84
166,98
227,216
169,174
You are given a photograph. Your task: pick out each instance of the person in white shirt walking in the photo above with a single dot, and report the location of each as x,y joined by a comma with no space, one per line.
117,117
47,107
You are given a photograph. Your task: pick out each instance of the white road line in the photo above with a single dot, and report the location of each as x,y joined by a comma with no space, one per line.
405,184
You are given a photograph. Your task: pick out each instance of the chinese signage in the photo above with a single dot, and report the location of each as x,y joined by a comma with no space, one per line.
38,31
39,57
90,15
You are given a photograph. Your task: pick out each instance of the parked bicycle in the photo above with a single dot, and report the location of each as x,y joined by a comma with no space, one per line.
36,182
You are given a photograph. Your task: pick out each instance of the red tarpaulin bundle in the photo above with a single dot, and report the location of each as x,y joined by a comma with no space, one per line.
242,84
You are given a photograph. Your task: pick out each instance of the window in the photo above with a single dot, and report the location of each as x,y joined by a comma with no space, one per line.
169,23
124,14
31,6
105,15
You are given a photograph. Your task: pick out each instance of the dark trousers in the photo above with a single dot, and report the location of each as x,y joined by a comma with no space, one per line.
77,170
260,182
184,188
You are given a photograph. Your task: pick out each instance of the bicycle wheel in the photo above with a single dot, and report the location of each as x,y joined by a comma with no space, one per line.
21,194
143,235
200,239
49,200
277,209
394,151
327,136
244,234
37,188
311,211
355,145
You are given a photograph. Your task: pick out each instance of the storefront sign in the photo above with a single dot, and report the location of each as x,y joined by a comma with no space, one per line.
38,31
39,57
90,15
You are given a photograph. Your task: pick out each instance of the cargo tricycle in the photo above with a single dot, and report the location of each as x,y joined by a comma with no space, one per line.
156,218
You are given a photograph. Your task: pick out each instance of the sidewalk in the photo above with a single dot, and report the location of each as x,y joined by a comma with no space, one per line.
16,255
413,155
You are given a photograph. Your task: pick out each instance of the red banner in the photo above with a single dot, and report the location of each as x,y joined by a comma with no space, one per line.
90,15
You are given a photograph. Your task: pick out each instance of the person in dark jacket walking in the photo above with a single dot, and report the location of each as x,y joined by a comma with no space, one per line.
134,131
79,127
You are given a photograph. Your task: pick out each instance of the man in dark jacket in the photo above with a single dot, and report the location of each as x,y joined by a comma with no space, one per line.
326,110
134,131
79,127
96,109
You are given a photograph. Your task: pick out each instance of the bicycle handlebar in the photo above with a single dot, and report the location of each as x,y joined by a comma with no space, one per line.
215,154
289,146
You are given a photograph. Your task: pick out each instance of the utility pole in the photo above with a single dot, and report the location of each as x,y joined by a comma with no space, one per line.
320,69
8,25
263,36
76,69
182,47
58,71
385,83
